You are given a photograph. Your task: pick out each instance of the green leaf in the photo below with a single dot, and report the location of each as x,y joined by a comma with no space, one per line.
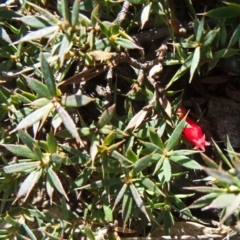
88,232
106,116
75,12
38,87
142,163
49,188
48,76
102,183
208,39
31,144
204,200
29,232
28,184
20,150
223,12
52,143
44,32
105,27
120,195
137,1
145,14
65,47
168,220
51,18
131,155
182,152
20,167
231,208
235,37
68,122
127,206
154,137
223,176
56,182
221,154
137,120
139,200
34,117
151,147
118,156
221,201
35,21
4,36
125,43
57,158
65,10
6,13
185,162
167,171
200,30
152,186
174,138
76,100
195,62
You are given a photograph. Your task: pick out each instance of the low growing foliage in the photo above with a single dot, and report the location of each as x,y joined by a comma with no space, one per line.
90,134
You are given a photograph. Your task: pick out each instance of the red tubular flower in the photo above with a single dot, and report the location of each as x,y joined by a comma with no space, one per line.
193,132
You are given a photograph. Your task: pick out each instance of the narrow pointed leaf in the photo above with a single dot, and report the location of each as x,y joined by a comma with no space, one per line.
167,171
38,87
195,62
155,138
142,163
20,150
139,200
106,116
88,232
20,167
49,188
152,186
52,143
125,43
221,201
31,144
200,30
65,10
35,21
34,117
223,176
145,14
223,12
56,182
28,184
231,208
208,39
222,156
174,138
27,139
204,200
38,34
76,100
75,12
118,156
102,183
29,232
136,121
120,195
127,206
186,162
67,121
48,76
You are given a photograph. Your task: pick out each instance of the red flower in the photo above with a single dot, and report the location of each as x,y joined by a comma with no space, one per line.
193,132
